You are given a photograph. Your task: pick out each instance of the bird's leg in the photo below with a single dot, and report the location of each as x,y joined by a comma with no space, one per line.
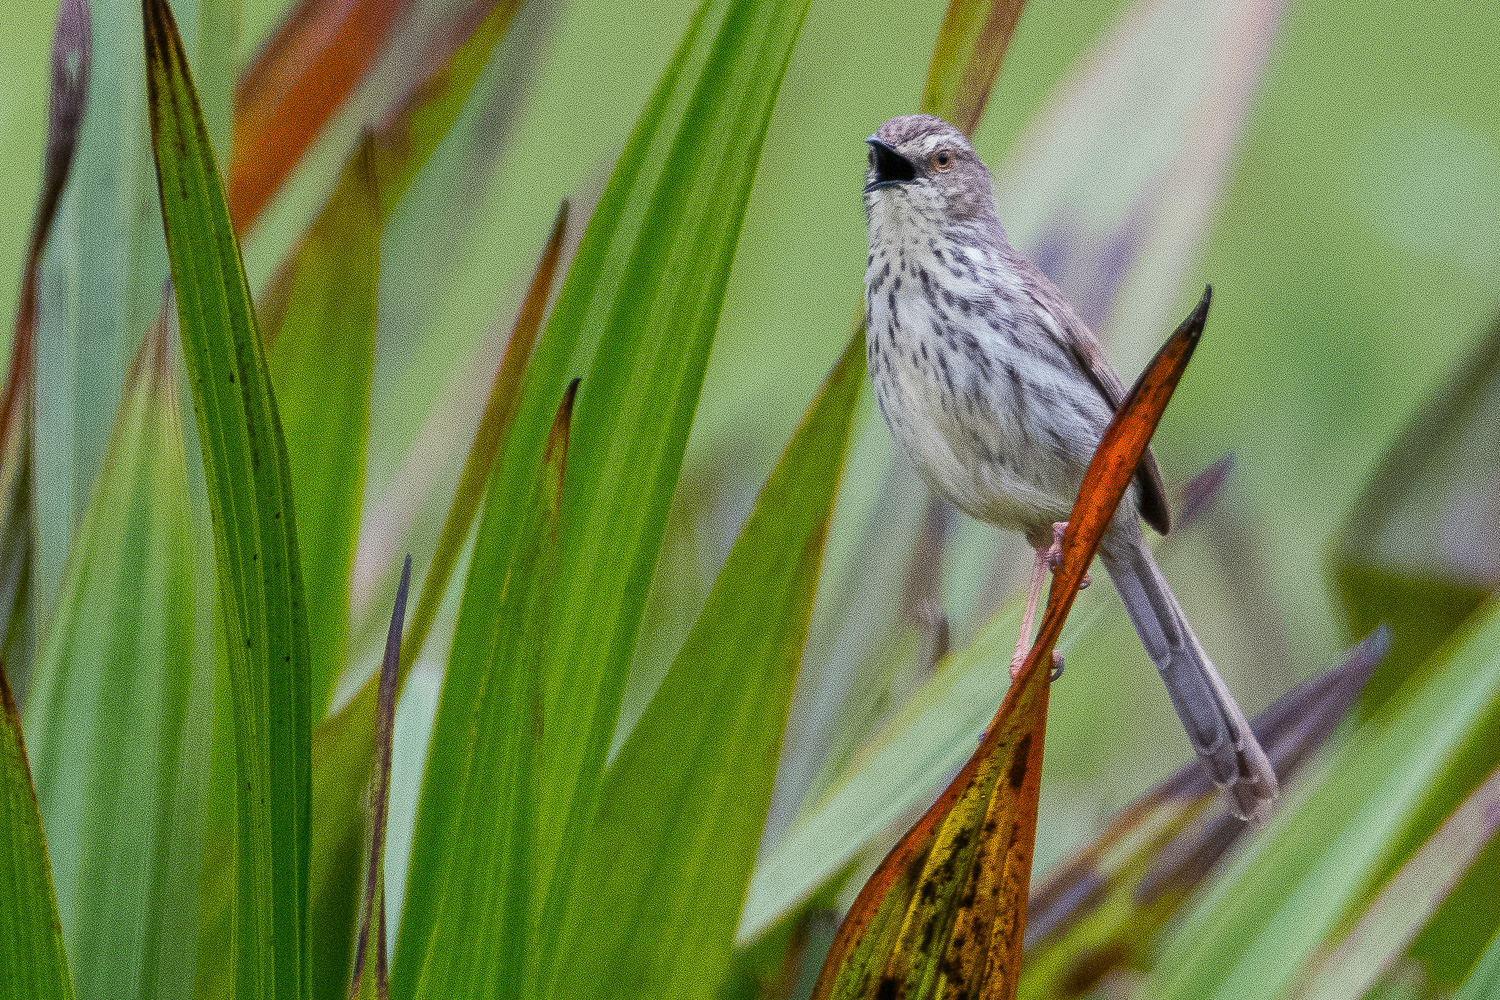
1048,558
1023,641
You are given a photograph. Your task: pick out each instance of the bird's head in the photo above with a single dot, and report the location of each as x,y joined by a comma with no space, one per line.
923,170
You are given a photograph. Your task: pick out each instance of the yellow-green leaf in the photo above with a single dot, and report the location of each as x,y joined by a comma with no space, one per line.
321,362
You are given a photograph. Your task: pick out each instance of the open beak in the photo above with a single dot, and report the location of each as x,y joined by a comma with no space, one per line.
890,167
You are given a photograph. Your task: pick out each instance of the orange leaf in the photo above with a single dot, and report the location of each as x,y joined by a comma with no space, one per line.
945,912
299,79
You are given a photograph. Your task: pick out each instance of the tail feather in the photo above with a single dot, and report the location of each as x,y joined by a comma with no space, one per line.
1213,720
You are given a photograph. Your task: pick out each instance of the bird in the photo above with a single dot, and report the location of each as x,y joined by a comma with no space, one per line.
997,394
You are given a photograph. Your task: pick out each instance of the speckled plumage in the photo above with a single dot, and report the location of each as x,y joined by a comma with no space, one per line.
998,395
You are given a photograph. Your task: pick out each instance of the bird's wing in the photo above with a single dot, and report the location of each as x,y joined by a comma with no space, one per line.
1091,360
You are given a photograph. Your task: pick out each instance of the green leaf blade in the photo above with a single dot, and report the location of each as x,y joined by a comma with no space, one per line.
30,935
258,565
322,362
465,924
643,302
1484,979
661,885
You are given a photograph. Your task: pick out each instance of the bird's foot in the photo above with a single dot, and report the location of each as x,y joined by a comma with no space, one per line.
1055,552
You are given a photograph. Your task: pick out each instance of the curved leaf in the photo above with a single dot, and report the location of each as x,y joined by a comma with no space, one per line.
945,913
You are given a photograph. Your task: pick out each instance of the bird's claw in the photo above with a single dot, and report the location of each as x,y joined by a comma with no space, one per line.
1057,665
1055,552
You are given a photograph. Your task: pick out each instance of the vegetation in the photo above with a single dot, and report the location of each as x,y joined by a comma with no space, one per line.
667,700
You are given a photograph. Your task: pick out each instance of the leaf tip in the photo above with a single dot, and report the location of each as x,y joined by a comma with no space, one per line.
1198,318
393,638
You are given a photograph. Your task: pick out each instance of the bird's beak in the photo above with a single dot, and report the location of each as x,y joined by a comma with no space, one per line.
891,168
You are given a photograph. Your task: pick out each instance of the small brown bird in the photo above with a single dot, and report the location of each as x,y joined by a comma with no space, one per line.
998,394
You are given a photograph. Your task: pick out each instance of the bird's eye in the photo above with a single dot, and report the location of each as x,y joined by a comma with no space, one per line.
943,159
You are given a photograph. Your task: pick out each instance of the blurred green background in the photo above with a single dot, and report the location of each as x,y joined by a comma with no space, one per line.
1354,257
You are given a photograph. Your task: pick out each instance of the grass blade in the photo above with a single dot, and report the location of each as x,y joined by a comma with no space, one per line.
644,302
380,789
299,79
30,934
321,362
340,755
661,885
466,923
259,574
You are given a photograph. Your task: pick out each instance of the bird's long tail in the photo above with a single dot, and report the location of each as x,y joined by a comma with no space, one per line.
1208,711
